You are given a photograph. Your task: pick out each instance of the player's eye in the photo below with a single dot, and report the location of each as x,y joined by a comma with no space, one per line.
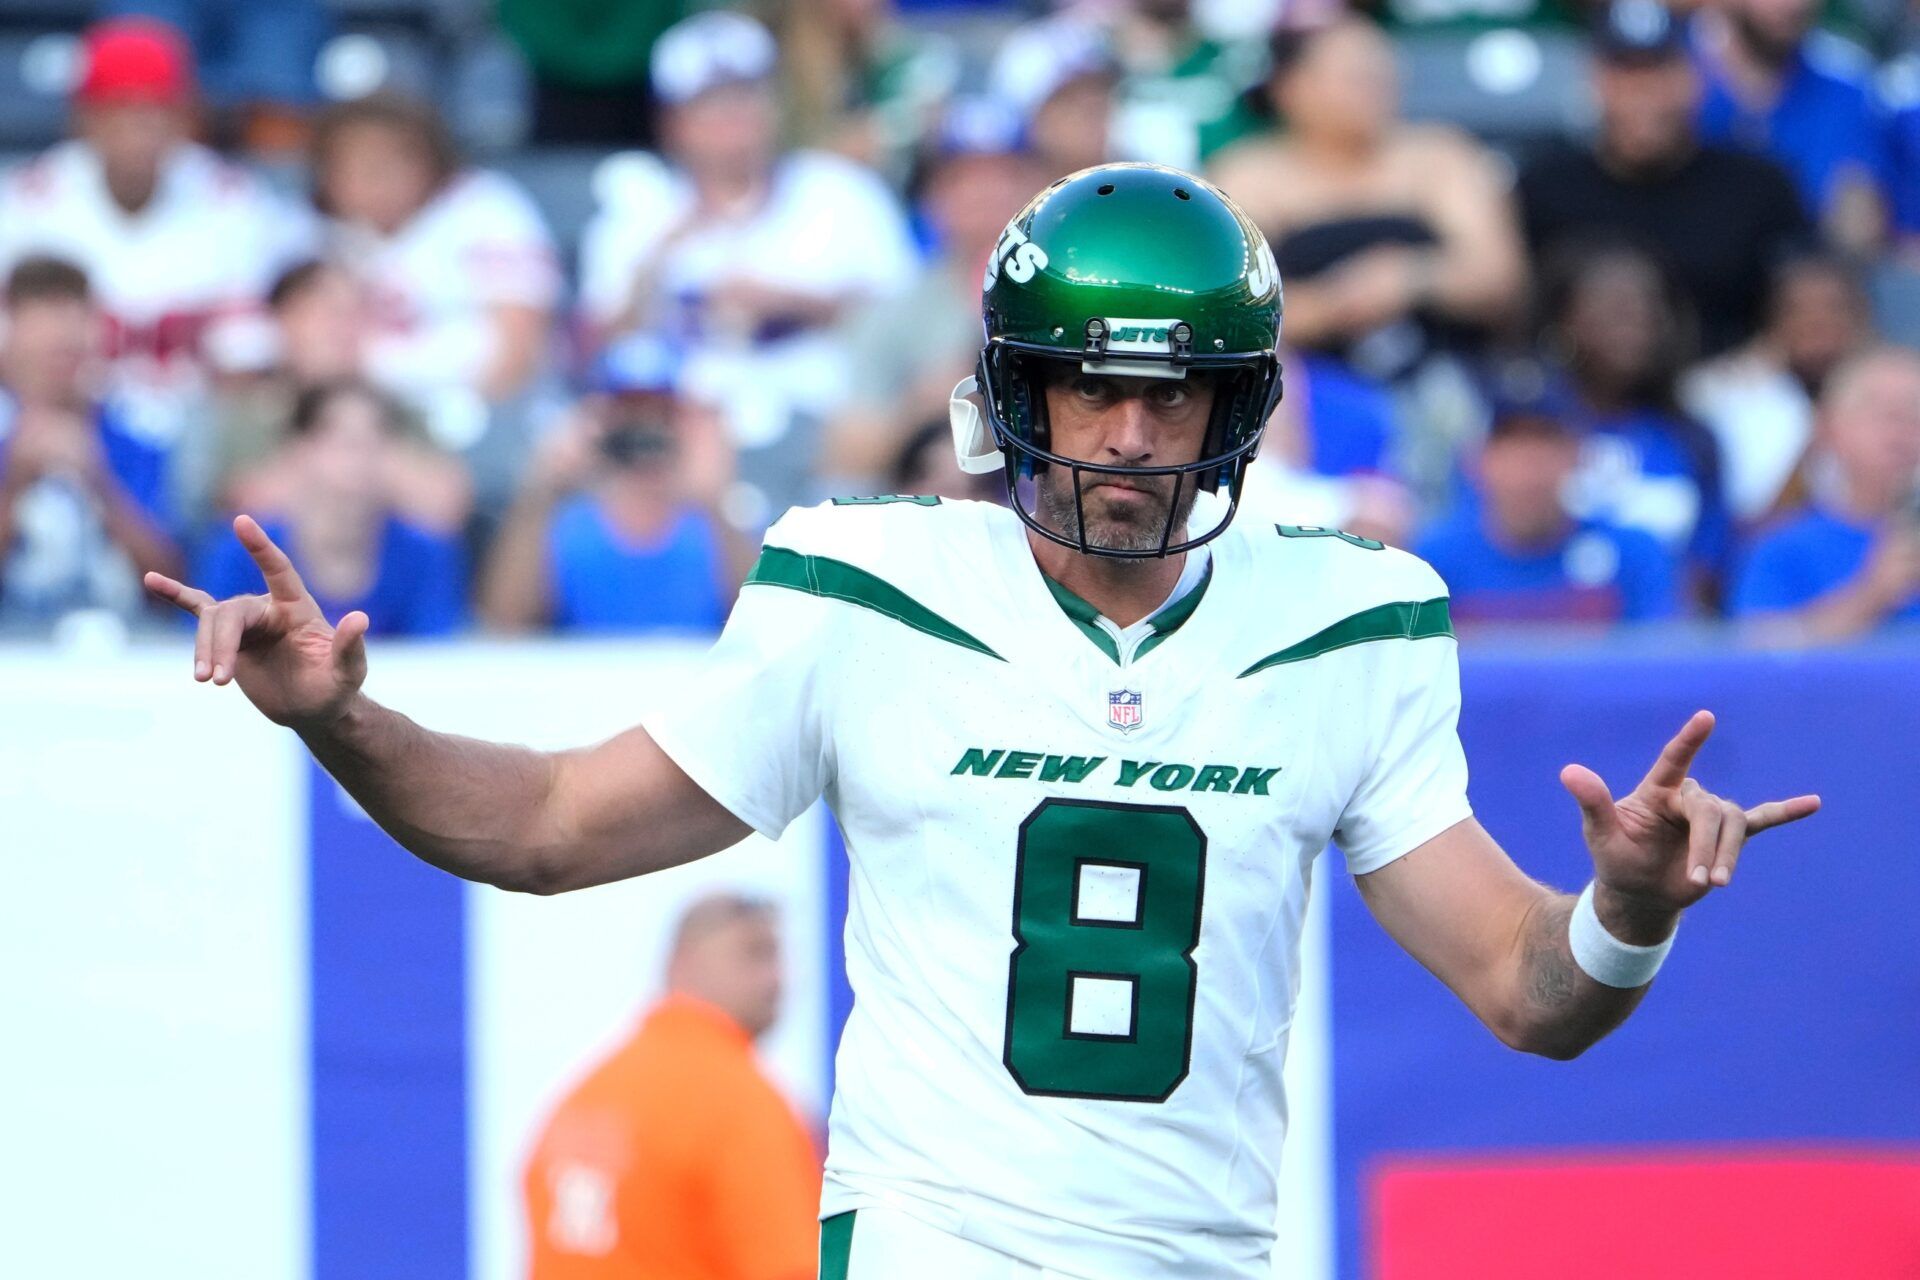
1169,395
1088,387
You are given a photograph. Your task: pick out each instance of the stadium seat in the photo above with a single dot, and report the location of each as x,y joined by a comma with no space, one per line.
47,15
560,180
1507,84
35,71
487,95
355,63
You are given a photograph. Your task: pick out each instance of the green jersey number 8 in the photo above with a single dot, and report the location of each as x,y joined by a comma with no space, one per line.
1106,916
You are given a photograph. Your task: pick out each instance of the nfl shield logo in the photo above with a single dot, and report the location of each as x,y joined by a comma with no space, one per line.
1123,709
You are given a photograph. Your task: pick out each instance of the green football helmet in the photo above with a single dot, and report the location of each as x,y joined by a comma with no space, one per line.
1138,270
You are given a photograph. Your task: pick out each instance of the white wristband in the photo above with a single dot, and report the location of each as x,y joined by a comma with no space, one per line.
1605,958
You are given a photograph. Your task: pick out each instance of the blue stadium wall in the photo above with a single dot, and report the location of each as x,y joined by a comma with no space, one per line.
276,1047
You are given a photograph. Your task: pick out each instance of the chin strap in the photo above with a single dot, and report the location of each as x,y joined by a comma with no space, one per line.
974,447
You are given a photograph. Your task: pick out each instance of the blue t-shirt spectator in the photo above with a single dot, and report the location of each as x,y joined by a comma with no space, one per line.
604,582
1827,119
1348,419
418,587
52,563
1901,89
139,466
1797,562
1596,573
1652,471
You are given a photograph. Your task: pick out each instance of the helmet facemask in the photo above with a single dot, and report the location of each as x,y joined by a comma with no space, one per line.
1048,489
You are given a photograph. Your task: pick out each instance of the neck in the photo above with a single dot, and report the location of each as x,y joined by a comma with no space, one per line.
726,187
1124,591
1341,150
1645,168
637,509
1754,70
336,528
132,192
1523,536
1868,499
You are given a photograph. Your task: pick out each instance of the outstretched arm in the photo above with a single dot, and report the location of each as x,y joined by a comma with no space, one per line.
1500,941
510,816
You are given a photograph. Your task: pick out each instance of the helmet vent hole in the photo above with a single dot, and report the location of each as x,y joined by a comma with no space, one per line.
1106,189
1181,192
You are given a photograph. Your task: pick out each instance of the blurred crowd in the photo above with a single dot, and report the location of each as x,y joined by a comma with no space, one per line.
1609,310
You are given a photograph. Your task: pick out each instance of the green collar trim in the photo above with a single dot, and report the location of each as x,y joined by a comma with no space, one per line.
1164,623
838,580
1082,615
1402,620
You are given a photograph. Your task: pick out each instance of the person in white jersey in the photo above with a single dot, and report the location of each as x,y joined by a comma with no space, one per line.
1085,750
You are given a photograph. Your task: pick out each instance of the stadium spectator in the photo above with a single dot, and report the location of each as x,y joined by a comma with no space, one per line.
589,64
314,335
1806,100
1758,400
354,550
750,256
1900,91
925,465
1518,555
620,524
460,273
1424,16
1619,331
172,237
1060,77
1716,218
83,500
256,61
1851,561
675,1155
912,347
857,81
1383,230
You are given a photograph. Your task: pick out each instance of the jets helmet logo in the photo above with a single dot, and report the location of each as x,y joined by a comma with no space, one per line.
1020,257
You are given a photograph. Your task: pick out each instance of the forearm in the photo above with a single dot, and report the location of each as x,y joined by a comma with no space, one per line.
479,810
515,594
1845,612
1552,1007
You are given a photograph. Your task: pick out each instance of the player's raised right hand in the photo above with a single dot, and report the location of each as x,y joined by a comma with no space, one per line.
290,663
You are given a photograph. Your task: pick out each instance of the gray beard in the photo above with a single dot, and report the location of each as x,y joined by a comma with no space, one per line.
1054,502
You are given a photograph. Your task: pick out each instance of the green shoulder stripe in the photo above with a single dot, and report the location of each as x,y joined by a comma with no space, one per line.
1402,620
836,1245
838,580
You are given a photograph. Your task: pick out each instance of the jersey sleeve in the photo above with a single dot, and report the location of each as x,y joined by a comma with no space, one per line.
752,728
1415,786
508,251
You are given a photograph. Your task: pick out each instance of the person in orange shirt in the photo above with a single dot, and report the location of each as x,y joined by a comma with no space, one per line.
676,1158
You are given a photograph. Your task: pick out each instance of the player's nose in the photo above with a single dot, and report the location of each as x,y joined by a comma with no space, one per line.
1129,431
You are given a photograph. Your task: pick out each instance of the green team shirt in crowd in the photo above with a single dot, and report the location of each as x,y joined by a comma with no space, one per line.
1080,856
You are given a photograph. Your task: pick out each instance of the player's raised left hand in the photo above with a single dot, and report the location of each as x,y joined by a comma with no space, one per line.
1670,841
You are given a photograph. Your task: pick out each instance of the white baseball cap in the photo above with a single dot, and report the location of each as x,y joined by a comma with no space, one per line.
708,50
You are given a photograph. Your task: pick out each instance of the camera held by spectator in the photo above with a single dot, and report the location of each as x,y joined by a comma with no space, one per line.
83,497
621,523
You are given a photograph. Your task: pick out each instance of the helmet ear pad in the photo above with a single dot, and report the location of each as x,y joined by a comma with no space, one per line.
1030,402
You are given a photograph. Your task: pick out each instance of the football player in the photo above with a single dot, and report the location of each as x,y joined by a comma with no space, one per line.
1085,751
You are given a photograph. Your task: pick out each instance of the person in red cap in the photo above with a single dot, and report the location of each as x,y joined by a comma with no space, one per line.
173,238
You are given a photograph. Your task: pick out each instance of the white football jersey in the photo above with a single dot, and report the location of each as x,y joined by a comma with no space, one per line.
1080,863
206,246
479,243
